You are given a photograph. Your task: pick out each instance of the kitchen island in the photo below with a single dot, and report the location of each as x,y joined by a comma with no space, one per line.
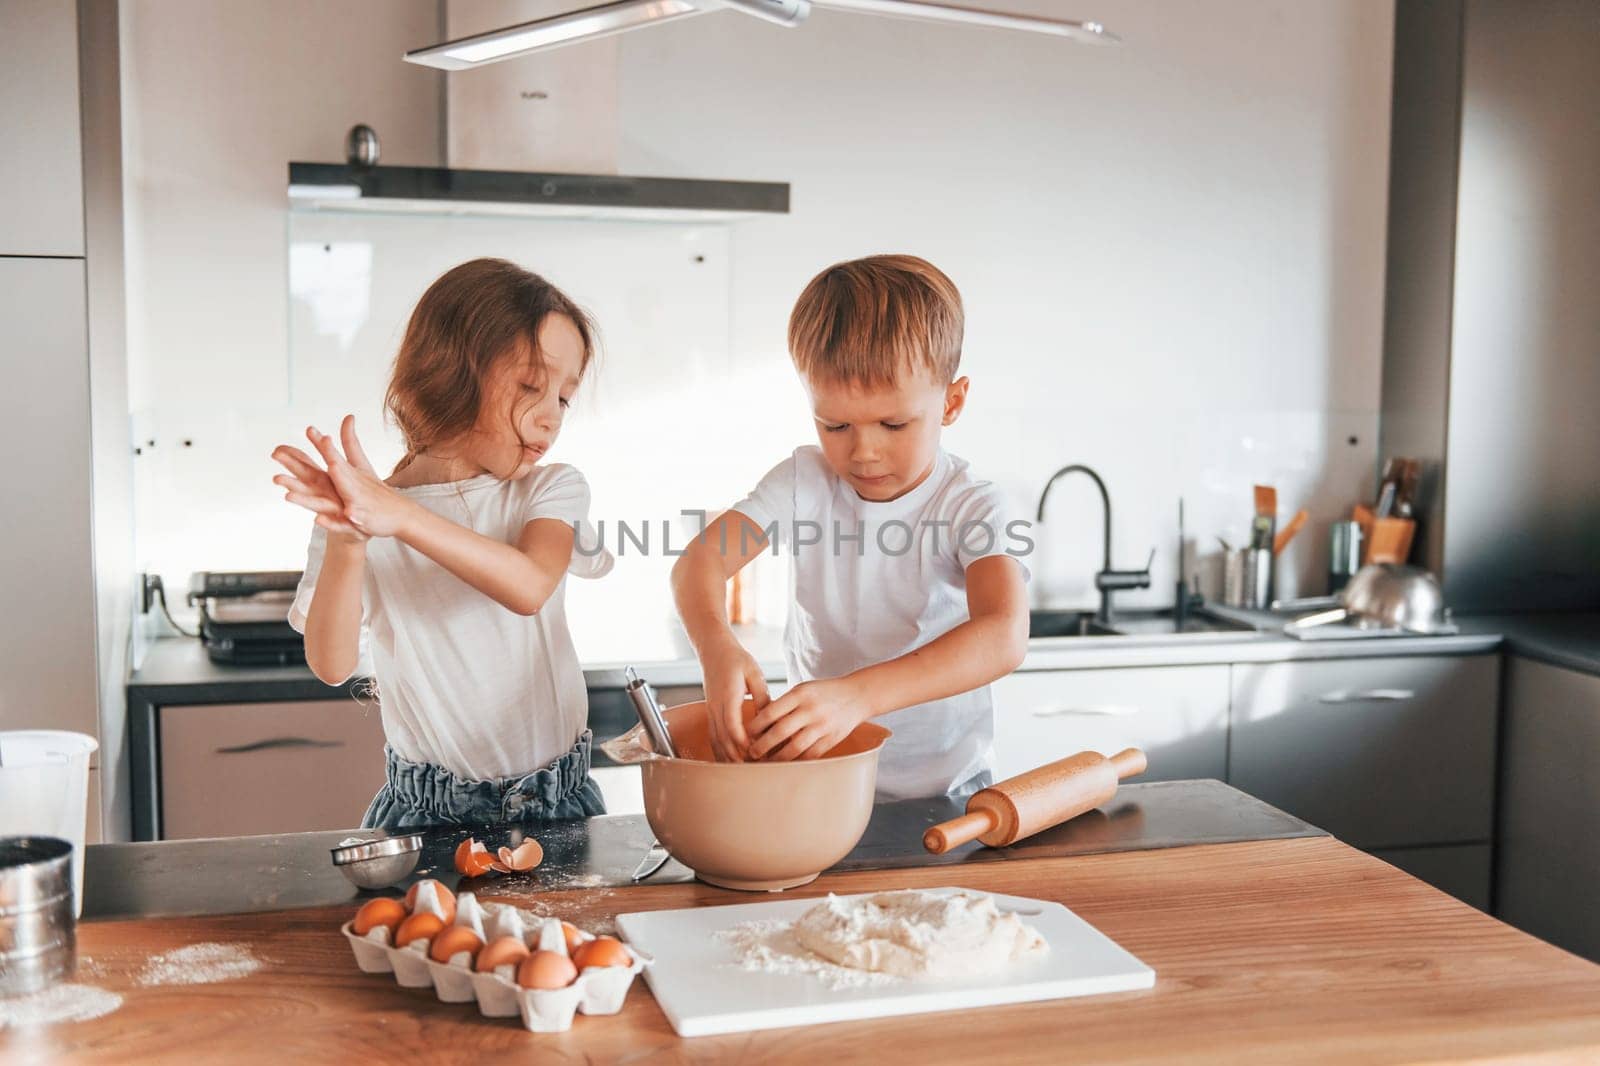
1270,940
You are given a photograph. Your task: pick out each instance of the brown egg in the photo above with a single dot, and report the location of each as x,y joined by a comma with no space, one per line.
574,937
375,912
447,899
454,941
546,969
602,951
498,953
416,927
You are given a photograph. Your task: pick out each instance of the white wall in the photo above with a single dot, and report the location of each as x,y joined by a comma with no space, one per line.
217,100
1171,252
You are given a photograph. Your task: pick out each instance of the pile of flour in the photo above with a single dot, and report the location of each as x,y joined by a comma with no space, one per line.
771,947
859,941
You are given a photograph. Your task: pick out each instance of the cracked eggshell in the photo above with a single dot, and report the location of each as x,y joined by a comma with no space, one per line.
524,857
472,859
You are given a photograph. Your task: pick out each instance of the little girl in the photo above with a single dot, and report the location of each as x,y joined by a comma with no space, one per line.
455,563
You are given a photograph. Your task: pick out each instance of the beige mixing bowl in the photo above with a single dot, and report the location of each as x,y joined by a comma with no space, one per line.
759,826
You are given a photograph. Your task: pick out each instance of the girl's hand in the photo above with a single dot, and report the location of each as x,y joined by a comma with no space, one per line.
349,496
808,721
369,505
308,485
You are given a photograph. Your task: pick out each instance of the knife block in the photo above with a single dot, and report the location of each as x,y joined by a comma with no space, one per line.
1383,540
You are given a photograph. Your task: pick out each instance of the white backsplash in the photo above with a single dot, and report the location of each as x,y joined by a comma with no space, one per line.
672,421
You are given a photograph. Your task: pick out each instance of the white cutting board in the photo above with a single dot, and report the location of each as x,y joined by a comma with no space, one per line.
703,989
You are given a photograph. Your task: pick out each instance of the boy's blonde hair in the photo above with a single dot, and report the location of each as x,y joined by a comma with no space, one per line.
868,321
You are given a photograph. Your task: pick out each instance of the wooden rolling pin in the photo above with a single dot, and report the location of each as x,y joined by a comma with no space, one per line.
1026,804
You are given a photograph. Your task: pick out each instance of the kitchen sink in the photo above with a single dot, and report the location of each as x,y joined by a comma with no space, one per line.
1045,622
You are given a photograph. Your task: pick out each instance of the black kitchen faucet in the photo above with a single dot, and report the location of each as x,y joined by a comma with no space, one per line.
1107,580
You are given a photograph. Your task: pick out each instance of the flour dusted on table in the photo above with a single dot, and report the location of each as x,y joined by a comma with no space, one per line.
918,934
58,1003
199,964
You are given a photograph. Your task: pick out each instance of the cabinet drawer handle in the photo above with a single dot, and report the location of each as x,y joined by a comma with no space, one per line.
279,742
1369,695
1099,710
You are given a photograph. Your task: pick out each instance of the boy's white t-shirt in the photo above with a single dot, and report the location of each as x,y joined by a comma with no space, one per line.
463,682
854,603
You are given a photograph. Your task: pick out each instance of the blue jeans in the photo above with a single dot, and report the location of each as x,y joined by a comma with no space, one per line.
421,794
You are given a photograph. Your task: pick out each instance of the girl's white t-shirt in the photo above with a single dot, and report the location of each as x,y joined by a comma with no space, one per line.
878,580
463,682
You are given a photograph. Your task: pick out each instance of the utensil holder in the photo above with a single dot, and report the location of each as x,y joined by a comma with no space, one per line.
1384,540
1258,578
1233,578
1247,578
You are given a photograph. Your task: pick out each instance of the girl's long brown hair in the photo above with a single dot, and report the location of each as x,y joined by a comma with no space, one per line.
471,319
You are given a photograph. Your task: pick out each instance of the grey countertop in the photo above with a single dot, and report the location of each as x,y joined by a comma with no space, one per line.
245,874
1568,639
177,670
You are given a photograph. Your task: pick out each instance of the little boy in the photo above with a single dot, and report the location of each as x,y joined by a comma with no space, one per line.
907,597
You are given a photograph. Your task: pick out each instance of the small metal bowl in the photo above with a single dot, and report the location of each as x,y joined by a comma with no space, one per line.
378,863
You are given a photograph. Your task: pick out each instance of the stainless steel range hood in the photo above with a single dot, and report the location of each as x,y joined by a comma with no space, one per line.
447,190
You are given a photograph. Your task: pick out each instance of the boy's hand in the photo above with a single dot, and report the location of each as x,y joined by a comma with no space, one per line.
730,672
809,720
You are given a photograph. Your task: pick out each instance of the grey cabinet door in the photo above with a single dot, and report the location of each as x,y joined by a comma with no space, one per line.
1549,854
41,147
1384,752
248,768
47,660
1178,715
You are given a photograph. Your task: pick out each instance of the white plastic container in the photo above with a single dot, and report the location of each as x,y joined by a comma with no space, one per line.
44,790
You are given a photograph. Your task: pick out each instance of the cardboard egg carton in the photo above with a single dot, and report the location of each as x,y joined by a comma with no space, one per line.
598,990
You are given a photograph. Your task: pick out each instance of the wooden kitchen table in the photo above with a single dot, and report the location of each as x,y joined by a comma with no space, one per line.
1267,951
